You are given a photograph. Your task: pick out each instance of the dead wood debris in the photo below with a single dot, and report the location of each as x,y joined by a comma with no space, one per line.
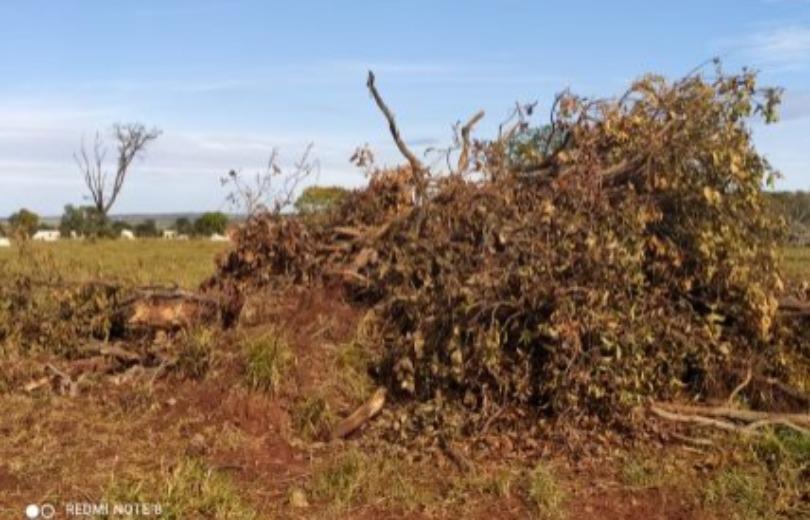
363,414
620,254
559,268
745,422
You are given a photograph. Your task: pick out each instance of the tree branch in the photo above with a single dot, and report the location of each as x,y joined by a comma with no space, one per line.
463,158
417,168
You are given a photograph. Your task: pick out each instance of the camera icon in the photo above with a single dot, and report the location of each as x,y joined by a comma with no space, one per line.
36,511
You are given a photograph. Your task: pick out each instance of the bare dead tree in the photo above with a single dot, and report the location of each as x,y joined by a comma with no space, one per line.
271,190
131,140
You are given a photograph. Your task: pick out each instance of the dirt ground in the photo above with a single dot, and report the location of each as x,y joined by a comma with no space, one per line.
217,447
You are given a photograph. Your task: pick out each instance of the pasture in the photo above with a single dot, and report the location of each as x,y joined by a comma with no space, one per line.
139,262
187,263
797,262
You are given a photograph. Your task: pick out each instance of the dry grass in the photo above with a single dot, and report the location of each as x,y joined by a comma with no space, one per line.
62,449
140,262
797,262
187,263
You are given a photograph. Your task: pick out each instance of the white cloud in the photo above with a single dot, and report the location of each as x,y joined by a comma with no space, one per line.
785,47
23,118
795,105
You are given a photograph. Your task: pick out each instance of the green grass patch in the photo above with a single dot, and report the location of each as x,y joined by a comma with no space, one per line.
312,417
268,358
352,372
743,492
785,457
496,482
353,478
195,349
641,472
545,492
191,490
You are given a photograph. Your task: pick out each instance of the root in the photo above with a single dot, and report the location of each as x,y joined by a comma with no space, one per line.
456,457
740,387
695,419
745,422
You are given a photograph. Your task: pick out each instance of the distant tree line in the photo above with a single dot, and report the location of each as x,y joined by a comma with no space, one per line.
313,203
90,222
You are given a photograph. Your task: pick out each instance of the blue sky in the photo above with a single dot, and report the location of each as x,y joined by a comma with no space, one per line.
228,81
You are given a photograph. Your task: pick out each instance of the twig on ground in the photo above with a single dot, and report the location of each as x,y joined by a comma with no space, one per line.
724,418
112,350
461,462
740,387
36,384
696,419
734,413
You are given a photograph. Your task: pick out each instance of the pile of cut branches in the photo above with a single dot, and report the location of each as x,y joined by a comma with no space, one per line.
61,331
623,252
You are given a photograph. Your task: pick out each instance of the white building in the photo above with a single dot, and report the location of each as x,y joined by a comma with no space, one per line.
216,237
46,235
126,234
4,242
169,234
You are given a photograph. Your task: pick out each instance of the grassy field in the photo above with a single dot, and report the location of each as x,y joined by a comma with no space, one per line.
141,262
797,262
187,263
